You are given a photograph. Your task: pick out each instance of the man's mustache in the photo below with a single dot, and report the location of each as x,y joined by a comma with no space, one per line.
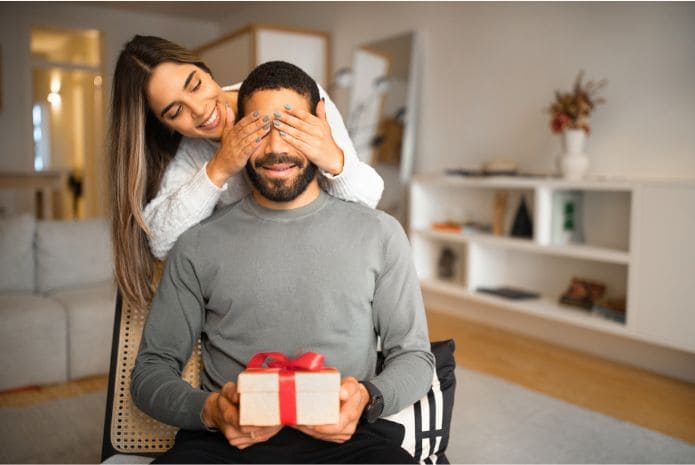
276,158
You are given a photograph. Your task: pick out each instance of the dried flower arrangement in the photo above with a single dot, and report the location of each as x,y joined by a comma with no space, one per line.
572,110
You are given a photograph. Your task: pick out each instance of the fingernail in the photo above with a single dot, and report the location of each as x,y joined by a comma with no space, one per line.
276,123
266,127
288,106
277,114
266,119
258,139
282,134
255,114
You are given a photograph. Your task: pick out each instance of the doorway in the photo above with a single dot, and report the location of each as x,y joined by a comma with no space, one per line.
67,116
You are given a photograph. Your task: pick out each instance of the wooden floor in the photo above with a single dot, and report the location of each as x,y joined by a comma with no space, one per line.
39,394
629,394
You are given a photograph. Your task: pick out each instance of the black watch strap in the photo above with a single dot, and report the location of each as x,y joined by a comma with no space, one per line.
375,406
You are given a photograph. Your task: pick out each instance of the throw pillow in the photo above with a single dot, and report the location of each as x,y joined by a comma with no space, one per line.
425,425
72,253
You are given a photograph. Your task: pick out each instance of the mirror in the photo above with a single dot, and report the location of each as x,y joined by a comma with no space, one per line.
383,110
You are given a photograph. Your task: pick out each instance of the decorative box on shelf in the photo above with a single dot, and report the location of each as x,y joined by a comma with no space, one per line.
289,392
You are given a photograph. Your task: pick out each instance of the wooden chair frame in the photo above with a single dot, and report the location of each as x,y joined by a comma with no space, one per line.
127,430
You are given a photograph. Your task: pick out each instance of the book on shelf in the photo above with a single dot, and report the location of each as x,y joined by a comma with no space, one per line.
469,227
612,309
446,226
509,292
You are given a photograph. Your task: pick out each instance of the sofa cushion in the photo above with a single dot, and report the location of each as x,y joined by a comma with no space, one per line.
90,313
72,253
17,253
33,341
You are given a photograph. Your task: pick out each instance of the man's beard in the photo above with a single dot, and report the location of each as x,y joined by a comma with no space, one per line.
281,190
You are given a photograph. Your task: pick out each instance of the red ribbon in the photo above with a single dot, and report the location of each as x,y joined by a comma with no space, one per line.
309,361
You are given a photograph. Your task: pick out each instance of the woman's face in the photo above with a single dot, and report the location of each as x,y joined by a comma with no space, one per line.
186,99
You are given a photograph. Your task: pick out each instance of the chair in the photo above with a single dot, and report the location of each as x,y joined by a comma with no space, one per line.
129,432
131,436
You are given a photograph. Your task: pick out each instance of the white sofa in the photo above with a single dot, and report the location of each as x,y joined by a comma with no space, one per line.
57,300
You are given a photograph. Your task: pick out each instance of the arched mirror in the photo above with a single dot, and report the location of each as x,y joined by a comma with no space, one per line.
383,111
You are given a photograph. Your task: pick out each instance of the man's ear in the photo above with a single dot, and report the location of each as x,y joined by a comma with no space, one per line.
321,109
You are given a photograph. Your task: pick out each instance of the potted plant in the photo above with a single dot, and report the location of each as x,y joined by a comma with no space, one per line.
570,117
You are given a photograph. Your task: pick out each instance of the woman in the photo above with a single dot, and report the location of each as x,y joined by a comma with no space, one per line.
175,153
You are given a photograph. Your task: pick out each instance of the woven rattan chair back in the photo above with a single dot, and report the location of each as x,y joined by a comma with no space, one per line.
131,430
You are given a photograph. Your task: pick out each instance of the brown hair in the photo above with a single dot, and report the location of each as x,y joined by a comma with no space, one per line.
140,148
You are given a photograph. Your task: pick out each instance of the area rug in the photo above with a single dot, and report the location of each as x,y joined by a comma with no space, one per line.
494,422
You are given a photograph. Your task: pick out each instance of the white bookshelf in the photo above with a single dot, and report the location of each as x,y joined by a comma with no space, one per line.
636,240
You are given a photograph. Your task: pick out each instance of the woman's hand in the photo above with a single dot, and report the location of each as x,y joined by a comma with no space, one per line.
311,135
239,142
221,411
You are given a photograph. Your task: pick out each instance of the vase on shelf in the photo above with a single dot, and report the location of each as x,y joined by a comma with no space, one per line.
573,162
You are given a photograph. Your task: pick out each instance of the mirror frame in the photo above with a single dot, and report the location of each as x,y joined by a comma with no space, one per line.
412,110
412,101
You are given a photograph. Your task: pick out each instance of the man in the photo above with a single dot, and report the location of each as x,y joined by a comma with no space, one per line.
287,269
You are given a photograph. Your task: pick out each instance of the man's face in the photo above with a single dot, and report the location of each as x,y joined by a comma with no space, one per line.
278,170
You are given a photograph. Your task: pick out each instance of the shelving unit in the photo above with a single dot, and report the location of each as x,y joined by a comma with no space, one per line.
636,241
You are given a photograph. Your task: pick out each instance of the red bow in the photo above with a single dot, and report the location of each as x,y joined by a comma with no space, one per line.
309,361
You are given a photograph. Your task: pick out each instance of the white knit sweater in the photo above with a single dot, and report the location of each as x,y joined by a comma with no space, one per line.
187,195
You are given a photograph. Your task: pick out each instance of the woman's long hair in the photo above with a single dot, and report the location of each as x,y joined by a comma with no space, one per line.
140,148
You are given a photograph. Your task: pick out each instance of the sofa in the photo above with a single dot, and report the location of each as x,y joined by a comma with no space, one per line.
57,300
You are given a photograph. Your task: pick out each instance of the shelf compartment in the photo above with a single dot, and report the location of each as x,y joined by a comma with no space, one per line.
545,307
578,251
601,218
492,266
428,257
459,204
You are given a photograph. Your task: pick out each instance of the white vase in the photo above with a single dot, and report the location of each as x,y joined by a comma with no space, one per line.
573,163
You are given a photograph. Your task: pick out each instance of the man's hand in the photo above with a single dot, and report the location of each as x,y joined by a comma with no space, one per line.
239,142
221,411
353,399
311,135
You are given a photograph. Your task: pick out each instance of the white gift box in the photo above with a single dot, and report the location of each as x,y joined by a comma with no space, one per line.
316,400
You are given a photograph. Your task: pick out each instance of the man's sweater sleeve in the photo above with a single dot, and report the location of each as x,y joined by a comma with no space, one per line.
172,328
399,318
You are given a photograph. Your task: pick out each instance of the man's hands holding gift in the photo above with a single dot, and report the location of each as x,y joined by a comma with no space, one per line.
221,411
353,399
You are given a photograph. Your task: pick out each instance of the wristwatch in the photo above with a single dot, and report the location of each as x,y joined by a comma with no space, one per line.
375,405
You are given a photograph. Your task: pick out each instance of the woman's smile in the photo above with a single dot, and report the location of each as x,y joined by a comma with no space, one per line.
213,120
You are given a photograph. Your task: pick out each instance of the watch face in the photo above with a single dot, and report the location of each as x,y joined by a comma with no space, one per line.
376,403
374,409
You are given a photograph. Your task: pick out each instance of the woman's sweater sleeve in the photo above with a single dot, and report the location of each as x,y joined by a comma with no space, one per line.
358,182
186,197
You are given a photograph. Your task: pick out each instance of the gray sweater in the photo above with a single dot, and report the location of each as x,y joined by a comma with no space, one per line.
329,277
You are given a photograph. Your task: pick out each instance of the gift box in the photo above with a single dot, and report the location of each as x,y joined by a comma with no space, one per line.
300,391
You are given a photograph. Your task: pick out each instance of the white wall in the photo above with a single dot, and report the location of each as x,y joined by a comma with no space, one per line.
16,20
491,70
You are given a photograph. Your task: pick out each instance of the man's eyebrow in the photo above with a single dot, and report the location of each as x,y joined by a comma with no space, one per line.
185,85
